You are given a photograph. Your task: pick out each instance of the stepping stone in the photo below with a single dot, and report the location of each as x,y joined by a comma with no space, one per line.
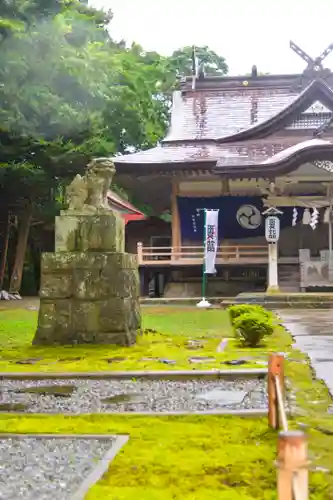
235,362
13,407
194,344
201,359
29,361
256,397
167,361
223,397
50,390
68,360
116,359
222,345
124,398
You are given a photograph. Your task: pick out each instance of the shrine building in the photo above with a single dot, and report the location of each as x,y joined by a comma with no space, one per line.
240,144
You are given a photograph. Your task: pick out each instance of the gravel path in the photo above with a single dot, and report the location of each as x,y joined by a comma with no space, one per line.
89,396
47,469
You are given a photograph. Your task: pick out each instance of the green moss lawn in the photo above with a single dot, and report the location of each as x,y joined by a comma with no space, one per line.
168,333
179,458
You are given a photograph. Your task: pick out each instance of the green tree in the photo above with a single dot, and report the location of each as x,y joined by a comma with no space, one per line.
214,65
67,93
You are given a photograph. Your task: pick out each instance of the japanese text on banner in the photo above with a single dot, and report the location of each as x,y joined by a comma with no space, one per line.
211,240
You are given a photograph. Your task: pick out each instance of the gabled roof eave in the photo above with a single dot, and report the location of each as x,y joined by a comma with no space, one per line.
309,151
265,128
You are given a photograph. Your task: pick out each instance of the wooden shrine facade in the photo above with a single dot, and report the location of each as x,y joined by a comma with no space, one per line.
240,144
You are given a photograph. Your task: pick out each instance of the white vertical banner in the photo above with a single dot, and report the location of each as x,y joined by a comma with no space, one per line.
211,240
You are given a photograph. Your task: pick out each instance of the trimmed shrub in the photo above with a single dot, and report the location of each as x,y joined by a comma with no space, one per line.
252,327
238,310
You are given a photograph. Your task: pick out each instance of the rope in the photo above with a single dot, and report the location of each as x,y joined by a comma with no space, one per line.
296,493
282,410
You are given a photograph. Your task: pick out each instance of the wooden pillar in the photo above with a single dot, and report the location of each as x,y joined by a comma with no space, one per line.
292,478
275,369
175,222
4,239
21,247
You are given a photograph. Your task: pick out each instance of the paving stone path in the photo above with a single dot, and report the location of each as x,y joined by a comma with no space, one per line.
313,333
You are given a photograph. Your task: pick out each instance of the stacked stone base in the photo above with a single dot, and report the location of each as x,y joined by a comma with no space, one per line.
88,297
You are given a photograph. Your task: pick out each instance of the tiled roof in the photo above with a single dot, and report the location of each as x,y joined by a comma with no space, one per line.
296,148
241,153
218,114
283,161
231,126
170,154
225,156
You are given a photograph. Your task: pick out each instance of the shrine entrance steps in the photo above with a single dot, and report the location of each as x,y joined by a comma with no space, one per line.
284,300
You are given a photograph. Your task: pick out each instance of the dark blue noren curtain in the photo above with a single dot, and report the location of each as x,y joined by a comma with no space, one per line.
239,216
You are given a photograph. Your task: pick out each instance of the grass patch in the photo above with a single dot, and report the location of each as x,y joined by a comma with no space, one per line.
184,458
169,458
175,328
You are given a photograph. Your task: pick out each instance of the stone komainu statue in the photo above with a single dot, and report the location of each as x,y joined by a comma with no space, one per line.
89,193
90,287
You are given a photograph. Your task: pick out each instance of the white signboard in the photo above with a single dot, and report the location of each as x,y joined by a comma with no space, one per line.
272,229
211,240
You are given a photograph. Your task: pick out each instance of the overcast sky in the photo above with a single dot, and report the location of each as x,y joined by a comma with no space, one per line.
244,32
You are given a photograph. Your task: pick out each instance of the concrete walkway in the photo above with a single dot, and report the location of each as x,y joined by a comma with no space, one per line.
313,333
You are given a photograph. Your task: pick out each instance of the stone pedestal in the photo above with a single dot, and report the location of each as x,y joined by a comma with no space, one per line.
103,232
89,286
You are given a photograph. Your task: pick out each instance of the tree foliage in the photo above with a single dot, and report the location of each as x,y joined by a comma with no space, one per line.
213,64
69,92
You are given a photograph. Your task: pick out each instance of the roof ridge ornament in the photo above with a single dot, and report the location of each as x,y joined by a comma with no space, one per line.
314,66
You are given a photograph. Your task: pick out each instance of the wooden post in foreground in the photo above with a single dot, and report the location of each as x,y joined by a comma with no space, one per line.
292,474
275,369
